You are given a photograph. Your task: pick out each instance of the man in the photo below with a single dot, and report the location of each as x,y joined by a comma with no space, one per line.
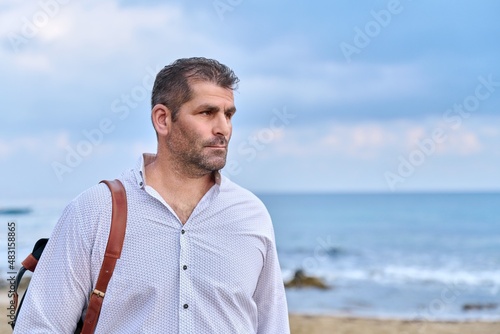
199,254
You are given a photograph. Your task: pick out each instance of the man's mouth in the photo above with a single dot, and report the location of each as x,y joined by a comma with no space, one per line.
217,143
216,146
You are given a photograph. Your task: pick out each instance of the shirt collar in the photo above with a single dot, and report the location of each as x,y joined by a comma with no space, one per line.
138,171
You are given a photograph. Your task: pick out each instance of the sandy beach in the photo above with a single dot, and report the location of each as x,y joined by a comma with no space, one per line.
306,324
301,324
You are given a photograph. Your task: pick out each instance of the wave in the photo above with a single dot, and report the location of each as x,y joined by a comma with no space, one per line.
331,251
416,275
393,266
446,276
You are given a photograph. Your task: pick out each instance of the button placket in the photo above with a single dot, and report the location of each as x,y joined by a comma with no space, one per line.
185,289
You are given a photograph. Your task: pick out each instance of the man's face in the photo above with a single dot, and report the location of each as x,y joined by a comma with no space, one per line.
200,135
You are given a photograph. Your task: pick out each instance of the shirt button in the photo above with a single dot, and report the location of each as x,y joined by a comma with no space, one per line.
183,231
186,306
184,267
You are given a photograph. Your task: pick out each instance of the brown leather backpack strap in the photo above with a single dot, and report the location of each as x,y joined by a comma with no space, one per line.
113,251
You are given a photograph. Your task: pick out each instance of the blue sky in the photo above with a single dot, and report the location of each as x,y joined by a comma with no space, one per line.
334,96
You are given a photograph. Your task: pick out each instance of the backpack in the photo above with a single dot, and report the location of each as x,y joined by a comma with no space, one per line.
113,251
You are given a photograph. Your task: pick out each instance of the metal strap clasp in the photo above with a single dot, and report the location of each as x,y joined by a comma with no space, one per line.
98,293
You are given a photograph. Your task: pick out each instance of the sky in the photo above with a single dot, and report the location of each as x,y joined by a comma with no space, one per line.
335,96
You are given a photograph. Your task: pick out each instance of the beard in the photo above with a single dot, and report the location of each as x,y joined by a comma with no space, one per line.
194,155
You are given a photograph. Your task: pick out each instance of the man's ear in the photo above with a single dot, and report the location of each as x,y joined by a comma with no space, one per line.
161,118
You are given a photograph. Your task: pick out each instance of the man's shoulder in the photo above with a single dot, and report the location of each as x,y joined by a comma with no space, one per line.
96,193
238,195
93,201
238,192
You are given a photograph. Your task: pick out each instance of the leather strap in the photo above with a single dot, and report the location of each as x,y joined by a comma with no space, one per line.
113,251
30,263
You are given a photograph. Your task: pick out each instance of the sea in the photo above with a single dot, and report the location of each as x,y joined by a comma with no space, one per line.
425,256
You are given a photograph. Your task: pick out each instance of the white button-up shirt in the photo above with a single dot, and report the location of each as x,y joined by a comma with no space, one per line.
218,273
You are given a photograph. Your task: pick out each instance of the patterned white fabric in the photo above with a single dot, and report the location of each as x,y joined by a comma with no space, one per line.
218,273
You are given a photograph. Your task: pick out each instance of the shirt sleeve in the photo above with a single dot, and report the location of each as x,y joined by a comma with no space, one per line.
270,296
59,288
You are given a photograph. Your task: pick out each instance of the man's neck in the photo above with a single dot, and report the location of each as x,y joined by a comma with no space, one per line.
180,190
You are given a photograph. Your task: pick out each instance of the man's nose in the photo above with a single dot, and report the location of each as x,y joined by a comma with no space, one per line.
222,125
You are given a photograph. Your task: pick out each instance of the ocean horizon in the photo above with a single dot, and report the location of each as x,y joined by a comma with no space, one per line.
429,256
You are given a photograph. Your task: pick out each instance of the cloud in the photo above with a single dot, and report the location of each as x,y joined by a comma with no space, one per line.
95,31
336,83
373,141
464,143
70,69
364,141
22,144
49,147
490,131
